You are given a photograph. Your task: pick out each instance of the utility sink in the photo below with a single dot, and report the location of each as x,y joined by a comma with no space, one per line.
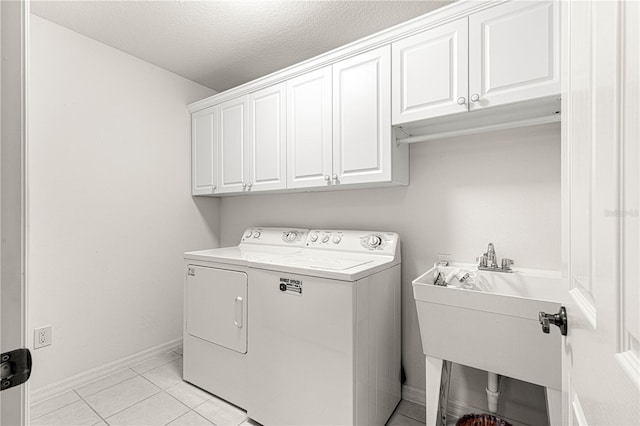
494,326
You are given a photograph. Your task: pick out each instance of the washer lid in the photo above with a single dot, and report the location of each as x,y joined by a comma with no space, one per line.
321,262
340,266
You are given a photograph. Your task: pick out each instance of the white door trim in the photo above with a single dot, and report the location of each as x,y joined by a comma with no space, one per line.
14,40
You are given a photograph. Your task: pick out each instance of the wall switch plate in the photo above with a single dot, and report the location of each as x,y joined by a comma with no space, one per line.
42,337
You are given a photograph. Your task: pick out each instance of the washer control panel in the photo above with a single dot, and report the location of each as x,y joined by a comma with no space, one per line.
355,241
275,236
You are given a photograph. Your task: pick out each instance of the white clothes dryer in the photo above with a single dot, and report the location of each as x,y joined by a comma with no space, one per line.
216,298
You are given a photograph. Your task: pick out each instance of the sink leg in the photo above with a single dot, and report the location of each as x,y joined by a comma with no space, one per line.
437,390
554,406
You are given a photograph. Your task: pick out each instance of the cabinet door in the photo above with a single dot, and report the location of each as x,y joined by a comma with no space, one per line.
309,129
362,118
216,306
203,152
232,135
267,139
514,53
430,73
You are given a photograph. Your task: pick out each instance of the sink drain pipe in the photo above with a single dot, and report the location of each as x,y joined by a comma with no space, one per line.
493,392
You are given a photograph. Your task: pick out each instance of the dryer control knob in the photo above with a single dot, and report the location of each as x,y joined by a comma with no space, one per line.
256,234
337,239
313,238
325,238
248,234
291,236
374,241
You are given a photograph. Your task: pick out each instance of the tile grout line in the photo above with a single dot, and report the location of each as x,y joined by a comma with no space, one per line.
210,421
161,389
181,415
108,387
129,406
188,408
74,390
119,383
133,405
55,409
89,405
194,412
105,419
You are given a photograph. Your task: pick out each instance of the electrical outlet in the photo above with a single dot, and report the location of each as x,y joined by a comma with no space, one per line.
41,337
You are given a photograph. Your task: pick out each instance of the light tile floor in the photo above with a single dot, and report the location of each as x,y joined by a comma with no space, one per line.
153,393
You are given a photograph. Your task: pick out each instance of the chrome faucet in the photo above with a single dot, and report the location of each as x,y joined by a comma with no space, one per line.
491,257
489,261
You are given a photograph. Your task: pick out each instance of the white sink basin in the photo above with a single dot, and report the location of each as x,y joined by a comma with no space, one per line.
494,327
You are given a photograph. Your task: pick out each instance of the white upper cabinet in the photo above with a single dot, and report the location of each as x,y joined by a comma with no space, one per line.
430,73
327,122
232,141
266,159
507,53
309,158
362,118
339,125
204,153
514,53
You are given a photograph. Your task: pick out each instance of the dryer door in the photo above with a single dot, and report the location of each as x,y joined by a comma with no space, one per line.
217,306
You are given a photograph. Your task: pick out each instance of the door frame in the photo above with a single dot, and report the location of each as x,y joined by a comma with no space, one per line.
14,39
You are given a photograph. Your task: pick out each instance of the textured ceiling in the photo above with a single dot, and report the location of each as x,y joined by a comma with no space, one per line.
222,44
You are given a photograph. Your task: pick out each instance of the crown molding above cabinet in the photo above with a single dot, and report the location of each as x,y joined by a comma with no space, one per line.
326,123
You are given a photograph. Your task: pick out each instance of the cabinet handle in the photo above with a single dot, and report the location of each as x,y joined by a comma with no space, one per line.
238,312
462,100
326,177
475,97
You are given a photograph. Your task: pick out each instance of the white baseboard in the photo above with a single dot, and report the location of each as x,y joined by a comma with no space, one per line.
89,376
415,395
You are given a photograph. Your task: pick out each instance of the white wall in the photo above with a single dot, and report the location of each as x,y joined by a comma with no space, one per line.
110,210
501,187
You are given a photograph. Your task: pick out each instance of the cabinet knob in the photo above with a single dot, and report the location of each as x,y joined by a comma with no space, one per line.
334,177
244,184
213,188
249,185
462,100
326,177
475,97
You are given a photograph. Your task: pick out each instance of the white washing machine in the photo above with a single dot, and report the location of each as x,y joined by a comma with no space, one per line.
324,331
216,305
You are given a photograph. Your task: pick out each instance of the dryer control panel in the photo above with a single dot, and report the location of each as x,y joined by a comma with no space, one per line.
293,237
372,242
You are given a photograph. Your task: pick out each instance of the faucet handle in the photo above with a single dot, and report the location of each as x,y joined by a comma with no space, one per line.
482,260
506,263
